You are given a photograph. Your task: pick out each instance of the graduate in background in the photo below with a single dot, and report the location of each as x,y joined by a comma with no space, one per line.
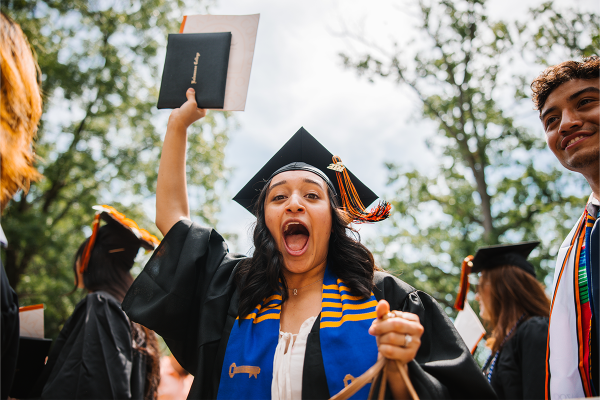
20,112
298,318
100,354
514,305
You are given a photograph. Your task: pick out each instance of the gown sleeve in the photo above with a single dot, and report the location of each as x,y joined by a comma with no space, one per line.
93,355
184,293
521,367
10,332
443,367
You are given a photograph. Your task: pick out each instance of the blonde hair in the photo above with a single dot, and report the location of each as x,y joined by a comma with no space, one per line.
20,110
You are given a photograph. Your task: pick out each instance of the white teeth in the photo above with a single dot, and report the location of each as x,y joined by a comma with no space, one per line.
290,224
573,140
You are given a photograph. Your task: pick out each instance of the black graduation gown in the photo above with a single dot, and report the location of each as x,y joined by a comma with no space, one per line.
10,333
187,294
93,357
520,371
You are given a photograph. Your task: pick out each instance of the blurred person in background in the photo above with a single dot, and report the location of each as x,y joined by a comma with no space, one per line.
20,112
100,353
175,382
515,307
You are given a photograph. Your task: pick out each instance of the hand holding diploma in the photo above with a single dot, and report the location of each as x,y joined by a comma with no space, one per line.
188,113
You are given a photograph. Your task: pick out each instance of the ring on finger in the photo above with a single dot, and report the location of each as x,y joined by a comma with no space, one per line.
407,339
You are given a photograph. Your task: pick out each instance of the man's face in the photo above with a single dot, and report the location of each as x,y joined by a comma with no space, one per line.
570,118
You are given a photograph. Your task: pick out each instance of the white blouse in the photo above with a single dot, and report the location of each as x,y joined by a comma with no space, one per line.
289,362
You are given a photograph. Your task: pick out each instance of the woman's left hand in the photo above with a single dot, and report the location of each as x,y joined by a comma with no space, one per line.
398,337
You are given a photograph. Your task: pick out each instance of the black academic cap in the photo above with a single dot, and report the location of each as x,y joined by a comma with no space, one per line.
304,152
491,257
118,241
121,230
516,254
119,236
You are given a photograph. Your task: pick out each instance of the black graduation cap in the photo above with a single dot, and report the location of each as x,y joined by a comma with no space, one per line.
304,152
491,257
120,236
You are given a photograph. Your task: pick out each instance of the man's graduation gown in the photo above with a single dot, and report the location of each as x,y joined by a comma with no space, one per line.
187,294
520,371
93,357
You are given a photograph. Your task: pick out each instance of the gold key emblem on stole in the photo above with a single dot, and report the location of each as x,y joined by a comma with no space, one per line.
244,369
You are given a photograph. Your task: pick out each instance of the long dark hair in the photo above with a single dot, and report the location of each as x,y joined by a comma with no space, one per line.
513,292
109,273
259,276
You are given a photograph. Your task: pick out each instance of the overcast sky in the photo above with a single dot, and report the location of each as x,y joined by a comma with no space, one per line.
298,80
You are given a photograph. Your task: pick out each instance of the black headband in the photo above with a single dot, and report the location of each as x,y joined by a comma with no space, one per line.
301,166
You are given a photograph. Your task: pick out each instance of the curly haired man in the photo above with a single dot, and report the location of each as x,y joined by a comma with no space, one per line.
567,97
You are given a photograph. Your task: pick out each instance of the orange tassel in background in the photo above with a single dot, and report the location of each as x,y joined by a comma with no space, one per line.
85,258
466,267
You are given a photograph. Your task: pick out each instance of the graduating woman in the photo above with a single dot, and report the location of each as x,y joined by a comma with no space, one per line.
298,319
513,303
100,353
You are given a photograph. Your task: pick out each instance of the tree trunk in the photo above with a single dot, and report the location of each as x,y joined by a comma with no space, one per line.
486,205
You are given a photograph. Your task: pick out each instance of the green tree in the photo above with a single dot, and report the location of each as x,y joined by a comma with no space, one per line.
495,181
552,35
100,136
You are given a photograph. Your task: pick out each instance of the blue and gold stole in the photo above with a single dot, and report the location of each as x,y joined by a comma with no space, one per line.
346,346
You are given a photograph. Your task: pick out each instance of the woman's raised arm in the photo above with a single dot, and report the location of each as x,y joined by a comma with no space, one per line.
171,187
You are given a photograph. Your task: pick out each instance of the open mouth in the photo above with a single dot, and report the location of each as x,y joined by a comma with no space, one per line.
295,236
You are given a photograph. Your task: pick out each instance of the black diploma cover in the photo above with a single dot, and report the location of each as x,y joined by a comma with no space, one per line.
31,361
198,61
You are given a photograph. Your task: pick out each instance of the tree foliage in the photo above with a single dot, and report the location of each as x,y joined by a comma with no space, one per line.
100,136
494,182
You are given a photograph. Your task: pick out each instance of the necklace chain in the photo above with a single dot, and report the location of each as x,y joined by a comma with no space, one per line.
310,284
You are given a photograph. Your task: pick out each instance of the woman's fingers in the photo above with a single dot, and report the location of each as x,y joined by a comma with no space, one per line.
407,315
400,346
189,112
408,323
402,354
194,113
404,340
190,94
398,333
383,307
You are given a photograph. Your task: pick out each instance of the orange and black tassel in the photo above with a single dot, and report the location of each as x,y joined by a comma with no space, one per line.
351,201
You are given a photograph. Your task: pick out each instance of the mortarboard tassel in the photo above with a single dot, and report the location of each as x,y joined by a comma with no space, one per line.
467,264
85,258
351,201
